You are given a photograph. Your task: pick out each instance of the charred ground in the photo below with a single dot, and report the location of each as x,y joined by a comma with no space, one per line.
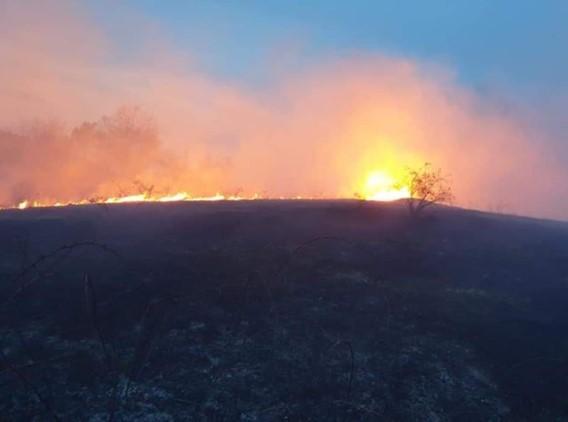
267,310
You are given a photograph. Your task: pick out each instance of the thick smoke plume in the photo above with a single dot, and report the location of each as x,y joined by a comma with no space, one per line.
81,118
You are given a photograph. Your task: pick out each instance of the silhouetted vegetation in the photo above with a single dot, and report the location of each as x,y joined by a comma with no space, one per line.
427,186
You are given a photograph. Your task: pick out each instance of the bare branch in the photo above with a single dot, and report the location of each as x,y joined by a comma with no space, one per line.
427,187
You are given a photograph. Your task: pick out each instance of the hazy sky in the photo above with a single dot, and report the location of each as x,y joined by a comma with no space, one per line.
519,44
513,50
298,97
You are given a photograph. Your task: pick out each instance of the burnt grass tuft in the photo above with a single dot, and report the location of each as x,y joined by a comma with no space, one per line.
269,311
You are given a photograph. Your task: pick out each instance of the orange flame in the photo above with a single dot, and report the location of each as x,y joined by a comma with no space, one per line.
378,186
381,186
178,197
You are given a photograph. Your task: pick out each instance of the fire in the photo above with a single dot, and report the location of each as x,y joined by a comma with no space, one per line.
378,185
382,186
177,197
23,205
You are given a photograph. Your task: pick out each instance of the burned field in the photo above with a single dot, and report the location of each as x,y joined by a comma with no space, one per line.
281,310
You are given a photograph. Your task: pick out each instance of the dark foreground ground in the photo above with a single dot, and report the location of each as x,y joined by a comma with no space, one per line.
269,311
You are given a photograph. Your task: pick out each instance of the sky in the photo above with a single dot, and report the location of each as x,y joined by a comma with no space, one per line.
284,98
512,50
517,43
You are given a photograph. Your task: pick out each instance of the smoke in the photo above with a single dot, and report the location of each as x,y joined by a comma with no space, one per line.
81,118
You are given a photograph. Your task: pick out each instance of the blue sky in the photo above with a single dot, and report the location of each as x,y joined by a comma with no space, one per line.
519,46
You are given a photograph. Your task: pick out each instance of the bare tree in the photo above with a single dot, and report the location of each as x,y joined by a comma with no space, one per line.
427,186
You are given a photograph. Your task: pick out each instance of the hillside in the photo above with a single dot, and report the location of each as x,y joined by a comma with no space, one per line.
281,310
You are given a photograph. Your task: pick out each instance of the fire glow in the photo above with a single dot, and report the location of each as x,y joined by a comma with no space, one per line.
178,197
79,127
381,186
378,186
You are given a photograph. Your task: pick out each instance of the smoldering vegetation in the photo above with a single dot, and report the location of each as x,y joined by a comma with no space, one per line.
305,310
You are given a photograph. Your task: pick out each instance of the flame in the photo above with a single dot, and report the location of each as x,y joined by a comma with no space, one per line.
177,197
382,186
378,186
23,205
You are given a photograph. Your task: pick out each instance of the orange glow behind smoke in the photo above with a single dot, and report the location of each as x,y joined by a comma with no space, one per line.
339,128
381,186
377,185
